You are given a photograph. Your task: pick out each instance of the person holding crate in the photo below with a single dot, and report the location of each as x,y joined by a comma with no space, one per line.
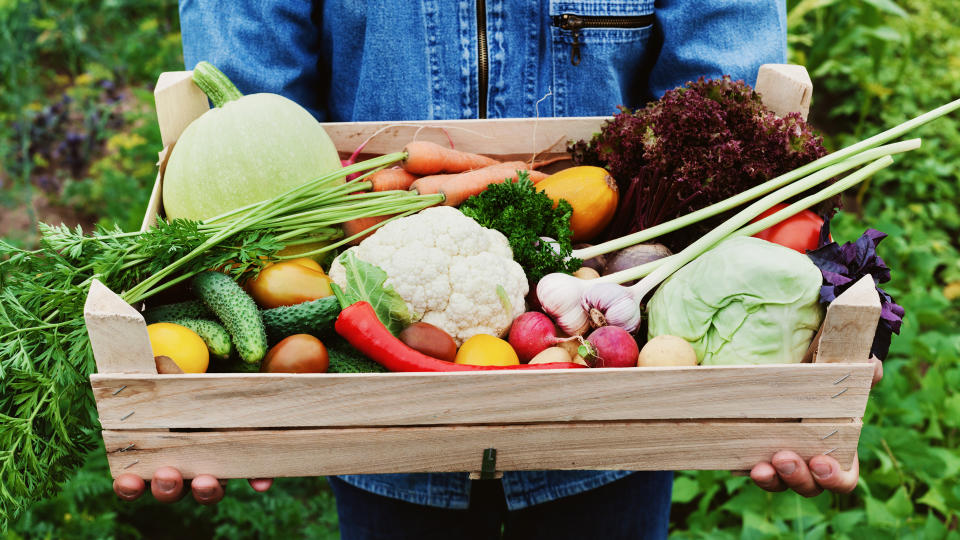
354,61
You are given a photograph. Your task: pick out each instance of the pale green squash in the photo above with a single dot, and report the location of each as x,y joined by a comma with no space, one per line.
245,150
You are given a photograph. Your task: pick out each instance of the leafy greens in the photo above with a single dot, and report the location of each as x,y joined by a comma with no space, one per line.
842,266
366,282
524,215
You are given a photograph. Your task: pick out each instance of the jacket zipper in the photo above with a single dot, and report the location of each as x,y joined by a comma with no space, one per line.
482,60
574,23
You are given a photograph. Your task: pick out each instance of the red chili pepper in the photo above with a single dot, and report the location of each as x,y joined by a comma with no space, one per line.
359,325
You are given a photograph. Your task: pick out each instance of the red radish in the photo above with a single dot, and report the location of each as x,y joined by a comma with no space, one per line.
611,346
531,333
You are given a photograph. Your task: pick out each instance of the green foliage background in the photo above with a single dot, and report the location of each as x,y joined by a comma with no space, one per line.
875,63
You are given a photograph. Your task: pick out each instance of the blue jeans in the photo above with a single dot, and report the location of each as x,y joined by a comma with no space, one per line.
634,507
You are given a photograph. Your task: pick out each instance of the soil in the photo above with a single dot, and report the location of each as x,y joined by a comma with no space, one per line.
17,224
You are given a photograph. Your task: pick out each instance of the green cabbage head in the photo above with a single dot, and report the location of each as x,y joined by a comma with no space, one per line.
746,301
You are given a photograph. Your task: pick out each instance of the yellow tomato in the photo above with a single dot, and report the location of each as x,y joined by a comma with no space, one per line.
486,350
289,282
181,345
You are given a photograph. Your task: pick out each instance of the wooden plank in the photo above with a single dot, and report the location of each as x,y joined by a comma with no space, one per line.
495,137
313,400
785,88
850,324
576,445
118,333
154,205
179,101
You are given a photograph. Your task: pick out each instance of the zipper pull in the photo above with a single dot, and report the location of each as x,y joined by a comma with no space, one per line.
572,23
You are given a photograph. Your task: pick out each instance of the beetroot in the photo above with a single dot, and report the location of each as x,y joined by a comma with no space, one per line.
611,346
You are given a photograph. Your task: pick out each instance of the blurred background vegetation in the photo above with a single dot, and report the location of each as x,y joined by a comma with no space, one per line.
78,142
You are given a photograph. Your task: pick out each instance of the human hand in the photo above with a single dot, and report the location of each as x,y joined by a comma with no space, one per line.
169,486
787,470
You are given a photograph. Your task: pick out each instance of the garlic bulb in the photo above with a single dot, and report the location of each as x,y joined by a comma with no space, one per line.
559,296
608,304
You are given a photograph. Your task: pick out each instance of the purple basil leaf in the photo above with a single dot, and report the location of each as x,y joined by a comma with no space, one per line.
842,266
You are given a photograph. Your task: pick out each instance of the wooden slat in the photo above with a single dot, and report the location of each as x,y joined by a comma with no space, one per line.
505,137
785,88
118,333
154,205
603,445
850,324
314,400
179,101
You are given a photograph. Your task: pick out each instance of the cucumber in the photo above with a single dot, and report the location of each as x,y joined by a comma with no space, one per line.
236,310
345,359
191,309
315,317
213,334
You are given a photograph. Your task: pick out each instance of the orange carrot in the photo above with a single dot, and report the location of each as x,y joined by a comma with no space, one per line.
389,179
429,158
536,176
456,188
359,225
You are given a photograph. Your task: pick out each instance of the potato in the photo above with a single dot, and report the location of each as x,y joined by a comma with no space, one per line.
667,351
430,340
551,354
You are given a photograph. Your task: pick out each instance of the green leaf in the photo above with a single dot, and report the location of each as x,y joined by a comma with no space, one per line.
685,489
934,499
888,6
878,514
366,282
848,521
899,504
933,528
757,522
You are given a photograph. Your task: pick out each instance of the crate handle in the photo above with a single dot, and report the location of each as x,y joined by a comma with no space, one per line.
488,466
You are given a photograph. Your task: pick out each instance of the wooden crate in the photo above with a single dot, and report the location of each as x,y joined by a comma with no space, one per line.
272,425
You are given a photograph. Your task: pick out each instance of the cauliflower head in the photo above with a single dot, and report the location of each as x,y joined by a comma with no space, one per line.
451,272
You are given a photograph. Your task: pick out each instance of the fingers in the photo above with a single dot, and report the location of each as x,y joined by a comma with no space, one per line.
207,489
793,471
129,487
167,485
877,370
261,484
828,474
765,476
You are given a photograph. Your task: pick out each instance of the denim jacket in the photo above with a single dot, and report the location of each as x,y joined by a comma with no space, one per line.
354,60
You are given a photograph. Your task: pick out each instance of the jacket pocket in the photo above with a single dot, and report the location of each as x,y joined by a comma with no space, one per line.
599,55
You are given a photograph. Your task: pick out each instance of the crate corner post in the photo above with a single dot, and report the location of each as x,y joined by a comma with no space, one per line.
785,88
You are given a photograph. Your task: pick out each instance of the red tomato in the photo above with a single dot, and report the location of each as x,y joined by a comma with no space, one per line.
800,232
289,282
299,353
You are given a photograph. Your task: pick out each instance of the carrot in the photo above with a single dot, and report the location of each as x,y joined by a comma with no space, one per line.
429,158
456,188
536,176
359,225
389,179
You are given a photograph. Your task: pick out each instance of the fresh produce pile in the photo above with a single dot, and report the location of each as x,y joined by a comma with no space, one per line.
457,262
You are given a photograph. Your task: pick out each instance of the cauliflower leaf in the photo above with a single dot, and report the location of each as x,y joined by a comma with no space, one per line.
365,282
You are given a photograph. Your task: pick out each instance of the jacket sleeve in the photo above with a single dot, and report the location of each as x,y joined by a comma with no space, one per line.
711,38
262,46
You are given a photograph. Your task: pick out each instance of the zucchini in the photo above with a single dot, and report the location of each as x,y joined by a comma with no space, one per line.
315,317
239,314
191,309
211,332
